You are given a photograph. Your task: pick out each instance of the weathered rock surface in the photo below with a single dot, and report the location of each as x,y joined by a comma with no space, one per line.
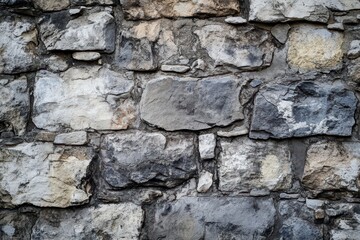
245,164
18,45
315,48
205,181
92,31
15,225
46,5
150,9
86,56
43,175
354,51
207,144
149,159
83,97
14,105
332,166
181,103
73,138
303,109
111,221
213,218
93,2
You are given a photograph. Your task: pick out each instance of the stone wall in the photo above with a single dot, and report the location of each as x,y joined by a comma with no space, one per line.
179,119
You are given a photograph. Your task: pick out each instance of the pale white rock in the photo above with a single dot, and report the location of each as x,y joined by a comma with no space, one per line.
336,26
245,164
47,5
205,182
83,97
235,20
74,11
354,51
237,131
207,144
115,221
53,176
73,138
86,56
56,63
314,203
175,68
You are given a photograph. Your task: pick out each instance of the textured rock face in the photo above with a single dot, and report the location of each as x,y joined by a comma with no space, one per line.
303,109
194,104
14,105
91,31
52,5
149,9
16,226
112,221
246,164
150,159
18,45
331,166
61,100
53,176
190,218
315,48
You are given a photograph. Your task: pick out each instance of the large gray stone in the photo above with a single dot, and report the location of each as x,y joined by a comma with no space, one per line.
18,45
94,30
43,175
213,218
16,225
150,159
111,221
14,105
181,103
83,97
303,109
245,164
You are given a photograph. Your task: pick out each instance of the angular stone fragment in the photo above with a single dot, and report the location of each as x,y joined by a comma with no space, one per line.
207,144
175,68
149,159
280,32
194,104
244,48
86,56
73,138
315,48
302,109
92,31
153,9
235,20
111,221
57,5
205,182
14,105
83,97
213,218
18,45
54,175
354,51
332,166
245,164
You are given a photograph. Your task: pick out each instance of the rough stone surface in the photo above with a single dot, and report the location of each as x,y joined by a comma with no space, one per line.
205,182
86,56
111,221
150,9
213,218
315,48
15,225
280,32
93,2
207,144
176,103
46,5
151,159
175,68
91,31
237,131
331,166
303,109
18,45
54,175
74,138
63,100
354,51
14,105
235,20
245,164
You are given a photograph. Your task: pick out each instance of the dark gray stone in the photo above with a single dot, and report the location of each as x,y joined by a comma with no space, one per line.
180,103
303,109
16,225
212,218
299,229
149,159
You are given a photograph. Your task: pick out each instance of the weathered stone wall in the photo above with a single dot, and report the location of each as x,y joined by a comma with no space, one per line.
179,119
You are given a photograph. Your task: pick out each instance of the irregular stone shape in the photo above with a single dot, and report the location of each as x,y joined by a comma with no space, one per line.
175,68
207,144
18,45
153,9
56,63
213,218
245,164
15,3
280,32
16,225
180,103
14,105
244,48
332,166
150,159
288,10
83,97
110,221
73,138
205,182
46,5
336,26
303,109
54,175
315,48
354,51
354,70
86,56
93,2
237,131
235,20
93,31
